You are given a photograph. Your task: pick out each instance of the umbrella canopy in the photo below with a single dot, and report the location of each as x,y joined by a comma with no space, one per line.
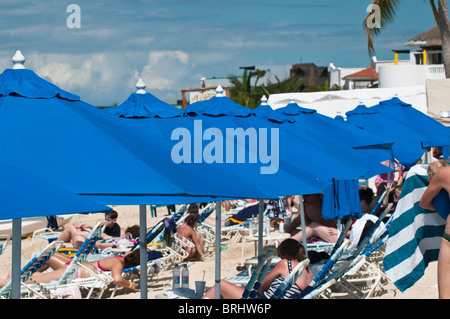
408,141
142,104
341,199
23,195
433,133
195,151
329,151
332,133
52,134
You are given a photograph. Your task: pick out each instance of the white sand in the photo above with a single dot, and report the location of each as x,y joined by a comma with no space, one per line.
426,288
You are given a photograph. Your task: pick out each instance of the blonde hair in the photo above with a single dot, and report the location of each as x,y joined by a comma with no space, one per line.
434,167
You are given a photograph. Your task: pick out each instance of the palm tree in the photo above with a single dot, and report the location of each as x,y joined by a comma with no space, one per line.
243,92
388,10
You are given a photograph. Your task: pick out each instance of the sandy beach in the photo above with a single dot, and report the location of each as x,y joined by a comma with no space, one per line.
426,288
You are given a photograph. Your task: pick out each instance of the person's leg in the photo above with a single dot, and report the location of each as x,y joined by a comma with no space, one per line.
48,276
227,291
328,234
67,233
444,264
212,221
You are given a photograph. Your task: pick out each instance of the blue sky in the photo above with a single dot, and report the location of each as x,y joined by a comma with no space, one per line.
171,44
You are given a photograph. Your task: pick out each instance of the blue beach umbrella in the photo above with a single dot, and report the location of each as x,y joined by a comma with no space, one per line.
341,197
52,134
433,133
336,134
328,146
408,142
142,104
203,154
23,195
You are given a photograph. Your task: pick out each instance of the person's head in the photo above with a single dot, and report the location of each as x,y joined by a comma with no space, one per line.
111,218
192,219
434,167
366,195
193,208
132,258
312,198
291,249
132,232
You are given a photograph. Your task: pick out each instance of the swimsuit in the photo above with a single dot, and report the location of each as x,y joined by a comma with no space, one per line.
293,289
103,269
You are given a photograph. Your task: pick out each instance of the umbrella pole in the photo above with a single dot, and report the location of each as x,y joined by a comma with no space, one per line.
302,217
218,246
143,249
260,228
16,258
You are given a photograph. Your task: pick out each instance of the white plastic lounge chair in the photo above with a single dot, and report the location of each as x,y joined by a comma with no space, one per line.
36,263
348,262
256,278
4,244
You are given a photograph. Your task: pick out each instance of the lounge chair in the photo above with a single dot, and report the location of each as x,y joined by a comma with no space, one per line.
98,279
345,262
32,290
4,244
256,278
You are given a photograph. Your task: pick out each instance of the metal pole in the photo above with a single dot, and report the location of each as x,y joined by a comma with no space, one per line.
16,257
218,246
143,249
302,217
260,228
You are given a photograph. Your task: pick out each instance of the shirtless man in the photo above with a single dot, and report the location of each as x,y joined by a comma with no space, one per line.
441,180
74,236
316,225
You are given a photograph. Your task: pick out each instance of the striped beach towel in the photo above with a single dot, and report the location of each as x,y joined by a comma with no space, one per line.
415,234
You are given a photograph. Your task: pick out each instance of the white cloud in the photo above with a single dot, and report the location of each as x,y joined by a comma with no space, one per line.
166,70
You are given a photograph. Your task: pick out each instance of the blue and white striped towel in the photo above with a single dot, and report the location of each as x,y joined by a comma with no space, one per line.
415,234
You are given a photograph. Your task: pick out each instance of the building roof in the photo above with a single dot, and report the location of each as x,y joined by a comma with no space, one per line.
431,37
368,74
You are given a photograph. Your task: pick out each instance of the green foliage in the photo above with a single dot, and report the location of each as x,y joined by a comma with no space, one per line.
248,95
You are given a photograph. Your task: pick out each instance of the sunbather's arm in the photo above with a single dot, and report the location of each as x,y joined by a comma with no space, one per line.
272,275
116,273
440,181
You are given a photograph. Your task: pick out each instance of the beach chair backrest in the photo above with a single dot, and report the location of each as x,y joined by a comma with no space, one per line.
4,244
290,279
206,211
258,274
32,266
82,254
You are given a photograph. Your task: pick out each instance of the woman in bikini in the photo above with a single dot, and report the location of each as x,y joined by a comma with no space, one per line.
59,263
441,180
291,252
187,231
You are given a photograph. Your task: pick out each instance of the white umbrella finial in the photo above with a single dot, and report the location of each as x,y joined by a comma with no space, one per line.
140,86
219,91
263,100
18,59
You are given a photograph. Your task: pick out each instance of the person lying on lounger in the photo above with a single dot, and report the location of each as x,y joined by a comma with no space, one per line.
291,252
59,263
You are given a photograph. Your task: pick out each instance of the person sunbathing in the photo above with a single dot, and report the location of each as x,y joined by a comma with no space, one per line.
316,225
291,252
59,263
187,231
